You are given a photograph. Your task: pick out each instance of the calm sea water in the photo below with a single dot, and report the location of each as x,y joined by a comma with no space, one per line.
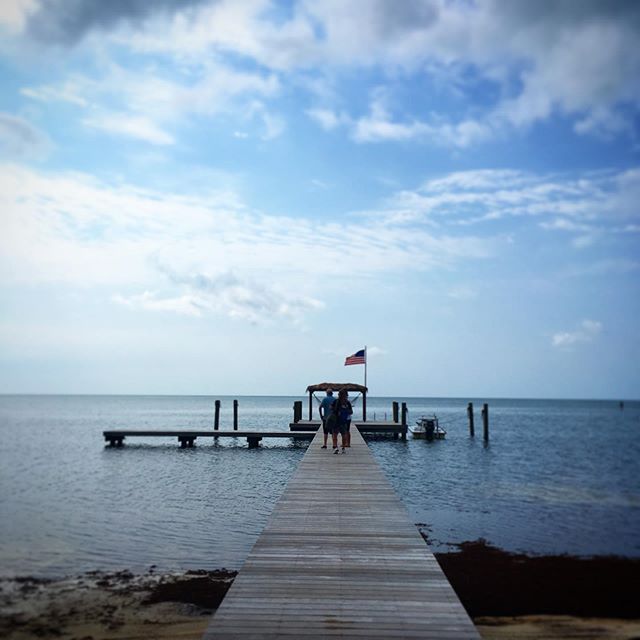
557,476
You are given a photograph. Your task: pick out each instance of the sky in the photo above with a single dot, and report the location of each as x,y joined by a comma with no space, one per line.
231,196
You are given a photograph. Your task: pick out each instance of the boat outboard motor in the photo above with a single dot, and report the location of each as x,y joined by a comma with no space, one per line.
429,428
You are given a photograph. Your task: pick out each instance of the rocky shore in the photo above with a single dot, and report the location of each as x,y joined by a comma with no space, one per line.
508,595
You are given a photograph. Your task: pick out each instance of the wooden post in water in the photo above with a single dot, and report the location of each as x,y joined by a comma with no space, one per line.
297,411
235,415
404,420
472,431
485,421
396,417
216,416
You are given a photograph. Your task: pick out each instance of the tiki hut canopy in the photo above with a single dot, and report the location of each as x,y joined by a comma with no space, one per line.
336,386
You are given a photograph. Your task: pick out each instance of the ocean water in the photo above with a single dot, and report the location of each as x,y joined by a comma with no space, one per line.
556,477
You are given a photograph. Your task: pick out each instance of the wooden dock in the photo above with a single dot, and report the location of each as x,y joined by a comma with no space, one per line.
339,558
187,438
370,426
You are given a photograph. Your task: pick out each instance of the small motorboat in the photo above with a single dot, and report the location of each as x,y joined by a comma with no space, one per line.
428,428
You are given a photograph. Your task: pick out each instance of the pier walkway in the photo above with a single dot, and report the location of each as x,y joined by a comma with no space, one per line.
339,558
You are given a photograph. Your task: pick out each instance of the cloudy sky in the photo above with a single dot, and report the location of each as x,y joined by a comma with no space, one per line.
230,196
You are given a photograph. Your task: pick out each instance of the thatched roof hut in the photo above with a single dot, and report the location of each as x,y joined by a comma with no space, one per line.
336,386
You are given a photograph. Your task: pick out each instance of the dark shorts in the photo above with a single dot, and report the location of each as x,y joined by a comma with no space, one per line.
342,427
326,426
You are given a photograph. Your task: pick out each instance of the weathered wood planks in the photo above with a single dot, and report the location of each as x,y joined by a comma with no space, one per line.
186,438
370,426
339,558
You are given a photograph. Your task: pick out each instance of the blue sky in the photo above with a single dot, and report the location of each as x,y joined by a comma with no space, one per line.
223,197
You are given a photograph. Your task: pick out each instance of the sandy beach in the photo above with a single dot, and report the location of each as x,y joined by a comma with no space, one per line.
99,605
508,595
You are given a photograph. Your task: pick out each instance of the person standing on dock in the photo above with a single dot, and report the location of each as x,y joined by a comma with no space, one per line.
343,411
326,411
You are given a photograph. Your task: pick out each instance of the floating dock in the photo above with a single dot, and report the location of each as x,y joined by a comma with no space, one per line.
339,558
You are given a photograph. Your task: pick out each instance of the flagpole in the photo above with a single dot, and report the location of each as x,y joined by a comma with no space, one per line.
365,365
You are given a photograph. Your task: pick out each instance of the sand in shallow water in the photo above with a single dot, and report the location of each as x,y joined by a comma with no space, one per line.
557,628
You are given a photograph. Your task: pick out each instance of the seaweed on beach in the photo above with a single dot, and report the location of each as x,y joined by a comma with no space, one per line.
492,582
204,589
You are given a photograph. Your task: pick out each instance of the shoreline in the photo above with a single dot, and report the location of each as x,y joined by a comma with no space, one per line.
508,595
100,605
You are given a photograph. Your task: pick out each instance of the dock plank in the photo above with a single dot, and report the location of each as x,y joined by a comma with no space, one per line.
339,558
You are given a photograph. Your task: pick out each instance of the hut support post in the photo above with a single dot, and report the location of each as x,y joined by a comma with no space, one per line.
364,406
310,406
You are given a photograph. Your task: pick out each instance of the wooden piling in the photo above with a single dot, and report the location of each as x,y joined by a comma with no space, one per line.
396,412
404,420
472,431
235,415
485,421
297,411
216,416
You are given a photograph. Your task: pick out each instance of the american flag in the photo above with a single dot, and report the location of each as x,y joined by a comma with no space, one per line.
357,358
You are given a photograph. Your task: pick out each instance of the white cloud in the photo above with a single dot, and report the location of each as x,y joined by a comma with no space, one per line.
68,92
478,179
148,300
381,126
463,293
256,302
615,266
227,26
137,127
274,126
586,332
584,241
588,206
19,139
579,60
15,13
328,119
238,297
575,59
198,254
147,104
604,123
